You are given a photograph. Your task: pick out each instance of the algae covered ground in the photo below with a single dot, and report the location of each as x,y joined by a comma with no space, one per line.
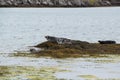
27,73
45,68
75,50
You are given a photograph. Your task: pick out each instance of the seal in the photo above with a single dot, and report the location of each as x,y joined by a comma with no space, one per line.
58,40
35,50
107,42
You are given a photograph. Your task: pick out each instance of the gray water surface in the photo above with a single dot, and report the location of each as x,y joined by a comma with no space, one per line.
23,27
89,68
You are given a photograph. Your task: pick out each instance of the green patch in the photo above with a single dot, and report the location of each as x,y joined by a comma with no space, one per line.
4,71
89,77
29,73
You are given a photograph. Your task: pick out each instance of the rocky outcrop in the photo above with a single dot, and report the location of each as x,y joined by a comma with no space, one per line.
53,3
77,48
115,2
64,48
57,42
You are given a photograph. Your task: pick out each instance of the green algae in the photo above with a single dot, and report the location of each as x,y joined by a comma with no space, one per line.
4,71
89,77
29,73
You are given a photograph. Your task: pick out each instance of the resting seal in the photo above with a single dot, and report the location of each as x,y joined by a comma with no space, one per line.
58,40
107,42
35,50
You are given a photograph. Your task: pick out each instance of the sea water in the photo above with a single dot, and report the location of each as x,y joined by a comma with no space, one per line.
23,27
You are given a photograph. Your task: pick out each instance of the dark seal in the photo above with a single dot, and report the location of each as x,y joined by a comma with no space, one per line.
107,42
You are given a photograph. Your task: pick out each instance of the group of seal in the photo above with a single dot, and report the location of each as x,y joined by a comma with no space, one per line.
69,41
60,41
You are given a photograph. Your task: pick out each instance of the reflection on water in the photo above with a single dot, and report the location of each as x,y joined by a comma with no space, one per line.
70,68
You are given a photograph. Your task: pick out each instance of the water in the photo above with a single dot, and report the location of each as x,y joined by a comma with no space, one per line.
23,27
89,68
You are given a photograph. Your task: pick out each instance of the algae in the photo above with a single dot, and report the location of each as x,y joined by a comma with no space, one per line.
89,77
28,73
74,50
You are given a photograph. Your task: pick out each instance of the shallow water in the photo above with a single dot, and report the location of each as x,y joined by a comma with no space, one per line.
99,68
23,27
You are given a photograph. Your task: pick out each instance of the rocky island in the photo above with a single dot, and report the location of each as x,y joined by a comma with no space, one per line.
63,48
58,3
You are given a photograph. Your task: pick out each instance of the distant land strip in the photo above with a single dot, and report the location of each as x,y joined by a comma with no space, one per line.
58,3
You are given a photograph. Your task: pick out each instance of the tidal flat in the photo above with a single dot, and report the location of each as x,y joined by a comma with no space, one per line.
44,68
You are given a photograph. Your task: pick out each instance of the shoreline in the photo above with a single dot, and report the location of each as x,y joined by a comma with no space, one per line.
59,7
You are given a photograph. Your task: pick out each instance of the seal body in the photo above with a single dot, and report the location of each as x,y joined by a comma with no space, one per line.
35,50
107,42
58,40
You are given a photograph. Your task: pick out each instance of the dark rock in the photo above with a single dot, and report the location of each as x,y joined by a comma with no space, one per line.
107,42
59,48
53,3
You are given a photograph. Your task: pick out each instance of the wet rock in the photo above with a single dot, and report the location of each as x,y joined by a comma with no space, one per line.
63,48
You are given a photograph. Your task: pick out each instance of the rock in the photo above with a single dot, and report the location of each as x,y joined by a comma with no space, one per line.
54,3
107,42
63,48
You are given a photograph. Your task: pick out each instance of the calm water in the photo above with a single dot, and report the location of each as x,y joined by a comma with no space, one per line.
22,27
89,68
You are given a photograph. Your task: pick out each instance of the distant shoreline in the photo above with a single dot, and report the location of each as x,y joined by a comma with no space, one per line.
58,3
60,7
